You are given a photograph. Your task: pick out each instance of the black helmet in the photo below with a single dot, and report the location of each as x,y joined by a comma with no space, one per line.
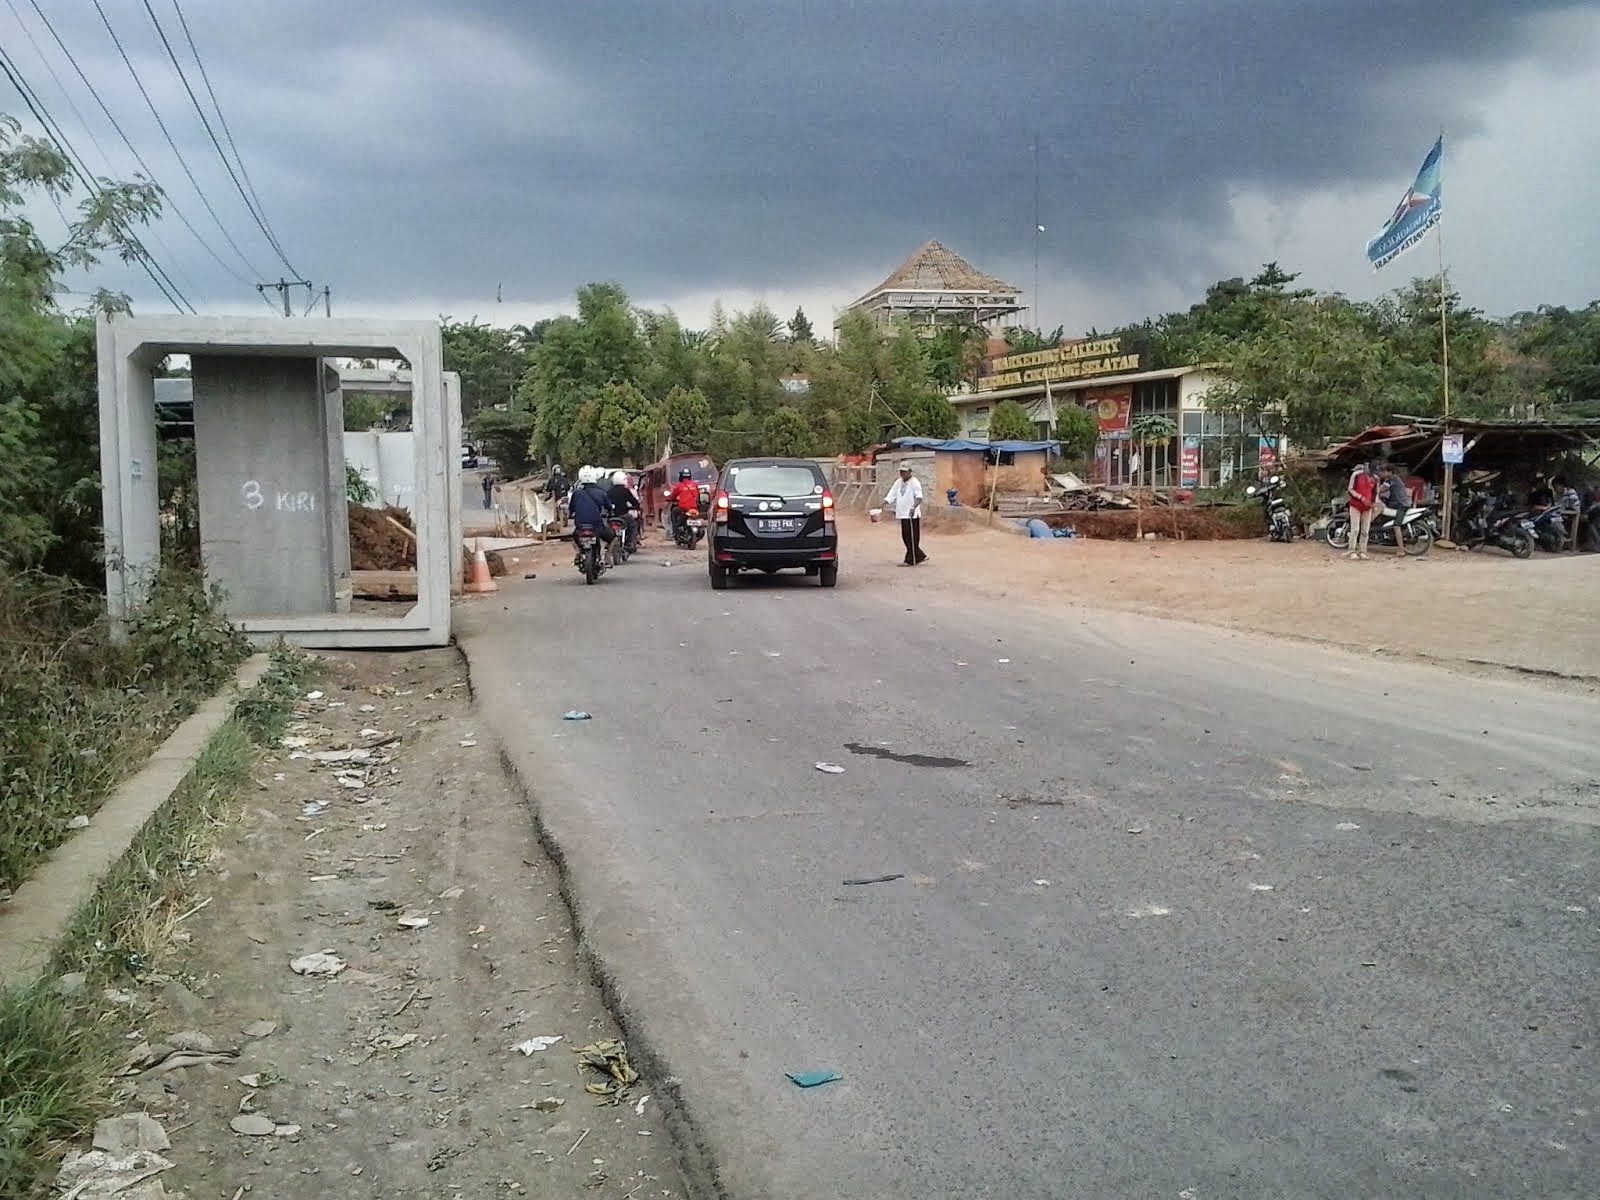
685,474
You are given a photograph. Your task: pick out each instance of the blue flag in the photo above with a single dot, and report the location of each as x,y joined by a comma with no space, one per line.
1418,212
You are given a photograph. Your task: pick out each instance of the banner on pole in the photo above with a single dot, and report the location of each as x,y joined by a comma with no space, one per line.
1419,210
1451,449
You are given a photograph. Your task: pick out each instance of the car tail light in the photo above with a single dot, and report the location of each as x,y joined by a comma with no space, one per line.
722,506
827,504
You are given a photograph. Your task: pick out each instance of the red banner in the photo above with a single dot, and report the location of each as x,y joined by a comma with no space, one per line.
1268,456
1189,463
1112,407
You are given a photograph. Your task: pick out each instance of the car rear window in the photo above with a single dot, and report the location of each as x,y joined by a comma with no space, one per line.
785,481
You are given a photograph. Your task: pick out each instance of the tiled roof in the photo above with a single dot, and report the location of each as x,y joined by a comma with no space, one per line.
937,268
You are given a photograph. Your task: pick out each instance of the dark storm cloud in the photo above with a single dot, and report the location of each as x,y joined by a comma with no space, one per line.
412,148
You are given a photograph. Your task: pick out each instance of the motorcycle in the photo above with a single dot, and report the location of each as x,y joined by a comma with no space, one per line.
689,529
620,547
1280,521
590,559
1416,523
1481,524
1549,530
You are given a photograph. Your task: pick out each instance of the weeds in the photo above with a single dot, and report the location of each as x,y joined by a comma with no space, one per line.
54,1059
79,712
265,711
56,1055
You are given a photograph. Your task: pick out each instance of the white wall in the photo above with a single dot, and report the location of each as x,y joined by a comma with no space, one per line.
386,461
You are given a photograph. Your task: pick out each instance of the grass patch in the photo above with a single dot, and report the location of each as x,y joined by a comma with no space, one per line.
56,1052
54,1059
80,712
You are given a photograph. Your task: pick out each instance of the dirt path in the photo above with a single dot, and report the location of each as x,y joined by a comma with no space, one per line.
1462,608
399,1076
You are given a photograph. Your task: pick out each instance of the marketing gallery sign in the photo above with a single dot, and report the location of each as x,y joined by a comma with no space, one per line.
1076,360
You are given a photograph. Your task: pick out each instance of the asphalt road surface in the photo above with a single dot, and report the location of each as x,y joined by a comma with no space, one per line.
1176,912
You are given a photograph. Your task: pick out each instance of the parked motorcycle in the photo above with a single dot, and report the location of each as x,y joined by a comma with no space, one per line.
1549,530
1280,521
1481,523
1416,523
590,557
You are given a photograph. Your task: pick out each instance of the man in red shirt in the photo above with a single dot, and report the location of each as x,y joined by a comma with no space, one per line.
1362,494
685,498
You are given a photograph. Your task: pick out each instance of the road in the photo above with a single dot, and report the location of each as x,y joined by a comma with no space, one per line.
1179,912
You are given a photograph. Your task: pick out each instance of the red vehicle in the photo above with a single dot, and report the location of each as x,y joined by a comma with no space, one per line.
655,491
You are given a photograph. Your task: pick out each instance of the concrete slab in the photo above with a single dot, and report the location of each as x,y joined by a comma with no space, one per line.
267,561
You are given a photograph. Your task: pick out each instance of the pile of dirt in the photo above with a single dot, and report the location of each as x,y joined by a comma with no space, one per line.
1193,524
376,544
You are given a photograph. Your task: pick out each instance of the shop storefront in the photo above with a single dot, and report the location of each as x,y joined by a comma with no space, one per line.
1206,448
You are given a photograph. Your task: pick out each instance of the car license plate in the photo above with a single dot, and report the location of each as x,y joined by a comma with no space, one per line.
779,524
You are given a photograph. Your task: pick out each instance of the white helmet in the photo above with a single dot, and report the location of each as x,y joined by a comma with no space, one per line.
587,474
619,478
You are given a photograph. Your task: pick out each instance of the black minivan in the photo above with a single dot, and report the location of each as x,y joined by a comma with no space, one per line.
772,513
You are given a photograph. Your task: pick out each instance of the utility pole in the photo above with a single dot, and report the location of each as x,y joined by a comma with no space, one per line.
282,288
327,301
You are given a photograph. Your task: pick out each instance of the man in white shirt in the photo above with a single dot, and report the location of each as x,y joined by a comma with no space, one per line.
905,494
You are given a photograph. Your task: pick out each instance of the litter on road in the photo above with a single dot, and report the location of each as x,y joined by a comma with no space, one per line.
872,879
322,962
828,768
535,1044
576,714
610,1060
811,1079
253,1125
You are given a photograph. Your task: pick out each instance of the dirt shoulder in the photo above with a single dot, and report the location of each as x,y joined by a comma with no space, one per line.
401,1074
1480,609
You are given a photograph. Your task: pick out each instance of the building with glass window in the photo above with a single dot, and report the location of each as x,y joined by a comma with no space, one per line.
1206,450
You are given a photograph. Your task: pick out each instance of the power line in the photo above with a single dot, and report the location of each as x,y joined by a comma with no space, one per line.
76,164
227,132
159,277
183,78
66,95
169,202
182,162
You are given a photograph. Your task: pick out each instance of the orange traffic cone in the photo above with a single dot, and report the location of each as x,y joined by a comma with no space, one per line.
481,580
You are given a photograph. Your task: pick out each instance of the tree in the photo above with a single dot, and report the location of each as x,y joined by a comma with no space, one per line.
1147,430
1310,369
615,425
1077,430
1029,341
686,416
505,435
787,434
931,416
49,458
490,361
800,327
1010,422
365,410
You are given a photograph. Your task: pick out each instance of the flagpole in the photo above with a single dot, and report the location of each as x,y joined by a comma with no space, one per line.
1444,354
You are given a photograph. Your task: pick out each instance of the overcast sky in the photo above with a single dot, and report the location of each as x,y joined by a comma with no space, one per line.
417,156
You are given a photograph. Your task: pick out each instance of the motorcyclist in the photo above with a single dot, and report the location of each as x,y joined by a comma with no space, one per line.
625,505
590,505
685,499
